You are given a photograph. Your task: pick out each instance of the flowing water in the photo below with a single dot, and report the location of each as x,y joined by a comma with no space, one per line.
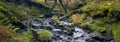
67,32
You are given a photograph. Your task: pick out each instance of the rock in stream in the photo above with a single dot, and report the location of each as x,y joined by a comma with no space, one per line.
62,34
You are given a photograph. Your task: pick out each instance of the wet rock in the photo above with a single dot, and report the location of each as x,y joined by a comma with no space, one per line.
98,39
56,30
66,23
68,32
78,32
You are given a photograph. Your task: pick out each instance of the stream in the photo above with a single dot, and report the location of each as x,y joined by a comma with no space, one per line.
67,32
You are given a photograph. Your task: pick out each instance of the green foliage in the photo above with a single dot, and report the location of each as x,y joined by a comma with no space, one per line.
11,13
85,23
101,9
8,13
116,31
44,35
104,11
5,34
12,28
98,27
24,37
14,14
96,10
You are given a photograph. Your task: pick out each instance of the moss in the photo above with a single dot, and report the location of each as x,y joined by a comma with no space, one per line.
55,18
98,27
96,10
24,37
44,35
11,13
101,9
84,9
115,31
107,11
76,18
61,23
85,24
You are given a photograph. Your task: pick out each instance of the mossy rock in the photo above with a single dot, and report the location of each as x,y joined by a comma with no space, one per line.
55,18
77,18
44,35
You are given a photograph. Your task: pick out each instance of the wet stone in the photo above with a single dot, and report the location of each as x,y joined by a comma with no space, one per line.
68,32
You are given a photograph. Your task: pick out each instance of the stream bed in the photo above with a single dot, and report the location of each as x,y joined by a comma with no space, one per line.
63,31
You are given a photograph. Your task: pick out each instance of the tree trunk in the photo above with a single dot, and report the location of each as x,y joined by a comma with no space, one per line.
64,7
54,5
45,1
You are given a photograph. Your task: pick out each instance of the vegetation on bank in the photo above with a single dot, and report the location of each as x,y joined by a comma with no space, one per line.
115,31
12,25
99,16
102,16
5,34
